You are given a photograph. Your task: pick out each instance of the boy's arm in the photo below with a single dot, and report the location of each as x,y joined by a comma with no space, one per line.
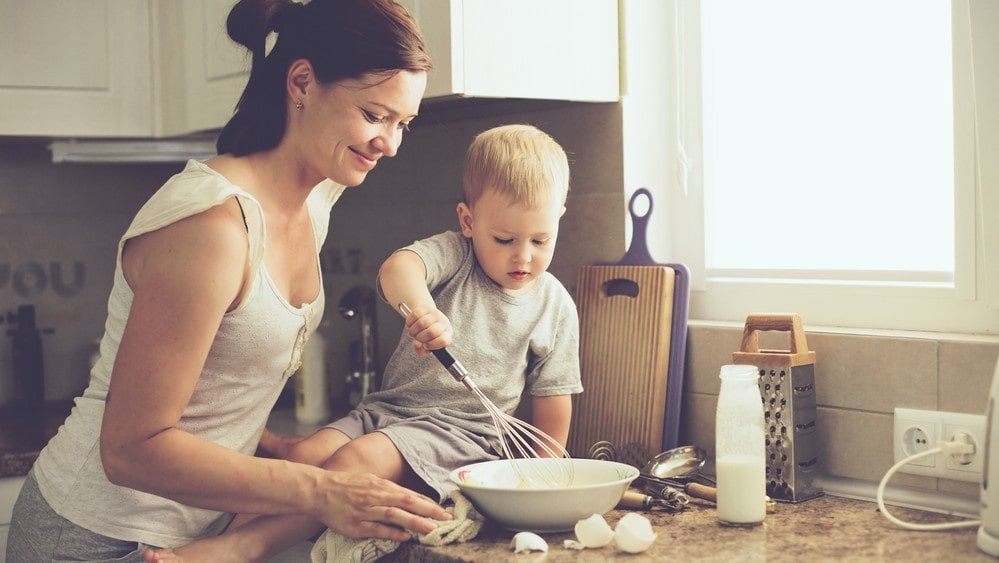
403,279
552,416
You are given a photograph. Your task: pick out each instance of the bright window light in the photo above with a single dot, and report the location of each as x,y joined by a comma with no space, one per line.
828,138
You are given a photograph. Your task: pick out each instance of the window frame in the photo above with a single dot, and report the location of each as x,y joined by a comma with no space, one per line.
968,305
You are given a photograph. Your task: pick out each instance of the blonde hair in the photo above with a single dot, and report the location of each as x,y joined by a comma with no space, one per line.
521,162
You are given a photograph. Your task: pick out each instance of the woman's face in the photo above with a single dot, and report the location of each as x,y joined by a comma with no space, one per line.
513,243
348,125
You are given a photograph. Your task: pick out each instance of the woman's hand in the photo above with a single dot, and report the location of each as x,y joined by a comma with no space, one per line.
360,505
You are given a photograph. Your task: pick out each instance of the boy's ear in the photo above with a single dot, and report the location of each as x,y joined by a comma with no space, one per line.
465,219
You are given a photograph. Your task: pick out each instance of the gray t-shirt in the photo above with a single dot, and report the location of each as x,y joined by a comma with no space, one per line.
509,343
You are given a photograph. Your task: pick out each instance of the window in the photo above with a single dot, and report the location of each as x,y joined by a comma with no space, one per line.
815,123
829,150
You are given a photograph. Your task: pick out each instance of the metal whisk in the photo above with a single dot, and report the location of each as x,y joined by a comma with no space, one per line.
538,459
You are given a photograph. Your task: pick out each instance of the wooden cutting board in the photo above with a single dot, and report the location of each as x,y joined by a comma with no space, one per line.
625,327
626,313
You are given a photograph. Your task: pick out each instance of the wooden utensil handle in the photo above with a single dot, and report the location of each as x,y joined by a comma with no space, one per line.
789,322
702,491
634,498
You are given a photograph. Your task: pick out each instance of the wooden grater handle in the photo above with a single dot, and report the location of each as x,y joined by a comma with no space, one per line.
789,322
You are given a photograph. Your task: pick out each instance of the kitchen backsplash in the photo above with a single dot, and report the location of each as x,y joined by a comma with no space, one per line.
58,229
60,224
859,380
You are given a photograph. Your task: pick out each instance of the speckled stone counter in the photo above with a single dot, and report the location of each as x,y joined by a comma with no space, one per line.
827,528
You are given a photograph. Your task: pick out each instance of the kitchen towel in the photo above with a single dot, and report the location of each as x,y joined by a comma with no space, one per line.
332,547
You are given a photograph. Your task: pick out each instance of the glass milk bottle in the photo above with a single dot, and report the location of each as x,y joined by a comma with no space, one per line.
740,448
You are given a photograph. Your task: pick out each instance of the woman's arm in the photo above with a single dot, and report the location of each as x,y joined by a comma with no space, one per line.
185,277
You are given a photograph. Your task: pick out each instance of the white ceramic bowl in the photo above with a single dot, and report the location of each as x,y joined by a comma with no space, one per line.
496,490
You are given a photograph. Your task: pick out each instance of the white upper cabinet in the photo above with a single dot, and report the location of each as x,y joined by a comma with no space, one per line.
117,68
202,72
163,68
75,68
537,49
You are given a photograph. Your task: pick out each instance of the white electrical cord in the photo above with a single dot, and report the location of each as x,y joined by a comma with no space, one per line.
949,448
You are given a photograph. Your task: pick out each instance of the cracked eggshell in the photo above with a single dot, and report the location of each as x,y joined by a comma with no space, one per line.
633,533
594,531
528,541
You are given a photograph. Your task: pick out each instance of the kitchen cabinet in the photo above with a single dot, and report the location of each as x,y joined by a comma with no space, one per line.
555,49
164,68
9,488
117,68
202,72
74,68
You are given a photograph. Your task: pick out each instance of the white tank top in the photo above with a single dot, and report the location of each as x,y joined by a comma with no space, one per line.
257,348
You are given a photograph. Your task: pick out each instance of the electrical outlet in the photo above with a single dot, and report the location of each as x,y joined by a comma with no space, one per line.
918,431
915,432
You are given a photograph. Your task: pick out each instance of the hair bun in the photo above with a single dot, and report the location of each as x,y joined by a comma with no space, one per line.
287,16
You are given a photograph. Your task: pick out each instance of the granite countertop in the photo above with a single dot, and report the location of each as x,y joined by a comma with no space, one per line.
826,528
23,433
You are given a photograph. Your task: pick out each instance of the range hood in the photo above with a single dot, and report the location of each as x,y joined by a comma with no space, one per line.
132,150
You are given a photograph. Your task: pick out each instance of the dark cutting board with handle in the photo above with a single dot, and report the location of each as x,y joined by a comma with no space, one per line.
633,333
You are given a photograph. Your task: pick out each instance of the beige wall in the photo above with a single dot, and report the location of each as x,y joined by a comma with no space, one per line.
859,380
72,215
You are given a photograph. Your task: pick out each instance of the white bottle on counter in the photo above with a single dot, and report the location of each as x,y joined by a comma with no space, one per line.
311,386
740,448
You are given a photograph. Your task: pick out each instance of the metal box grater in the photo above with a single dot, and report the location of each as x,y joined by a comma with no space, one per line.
787,387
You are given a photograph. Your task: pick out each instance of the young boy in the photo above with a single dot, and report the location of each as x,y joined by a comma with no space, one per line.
486,295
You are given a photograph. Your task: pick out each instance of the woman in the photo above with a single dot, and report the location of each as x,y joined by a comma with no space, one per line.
216,290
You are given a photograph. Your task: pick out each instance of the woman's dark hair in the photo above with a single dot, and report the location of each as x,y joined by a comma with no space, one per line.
341,38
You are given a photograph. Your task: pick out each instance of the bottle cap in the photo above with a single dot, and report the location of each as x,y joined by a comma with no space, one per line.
738,371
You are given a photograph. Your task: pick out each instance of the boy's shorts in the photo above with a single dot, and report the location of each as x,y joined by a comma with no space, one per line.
431,448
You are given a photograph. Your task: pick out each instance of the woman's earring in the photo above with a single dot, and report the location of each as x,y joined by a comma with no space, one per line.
299,105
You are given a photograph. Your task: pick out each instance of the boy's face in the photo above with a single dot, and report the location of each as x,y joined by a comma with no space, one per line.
513,244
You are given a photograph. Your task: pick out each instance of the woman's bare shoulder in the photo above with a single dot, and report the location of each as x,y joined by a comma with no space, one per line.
211,245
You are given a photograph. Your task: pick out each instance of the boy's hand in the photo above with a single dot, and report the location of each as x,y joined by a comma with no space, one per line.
276,446
429,328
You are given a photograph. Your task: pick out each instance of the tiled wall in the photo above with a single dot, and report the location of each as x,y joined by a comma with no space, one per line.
67,218
415,194
859,381
58,229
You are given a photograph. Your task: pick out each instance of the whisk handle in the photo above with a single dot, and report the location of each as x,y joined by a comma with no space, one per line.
445,358
453,366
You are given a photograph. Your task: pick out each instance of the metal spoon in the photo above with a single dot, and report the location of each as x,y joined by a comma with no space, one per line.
677,463
677,468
